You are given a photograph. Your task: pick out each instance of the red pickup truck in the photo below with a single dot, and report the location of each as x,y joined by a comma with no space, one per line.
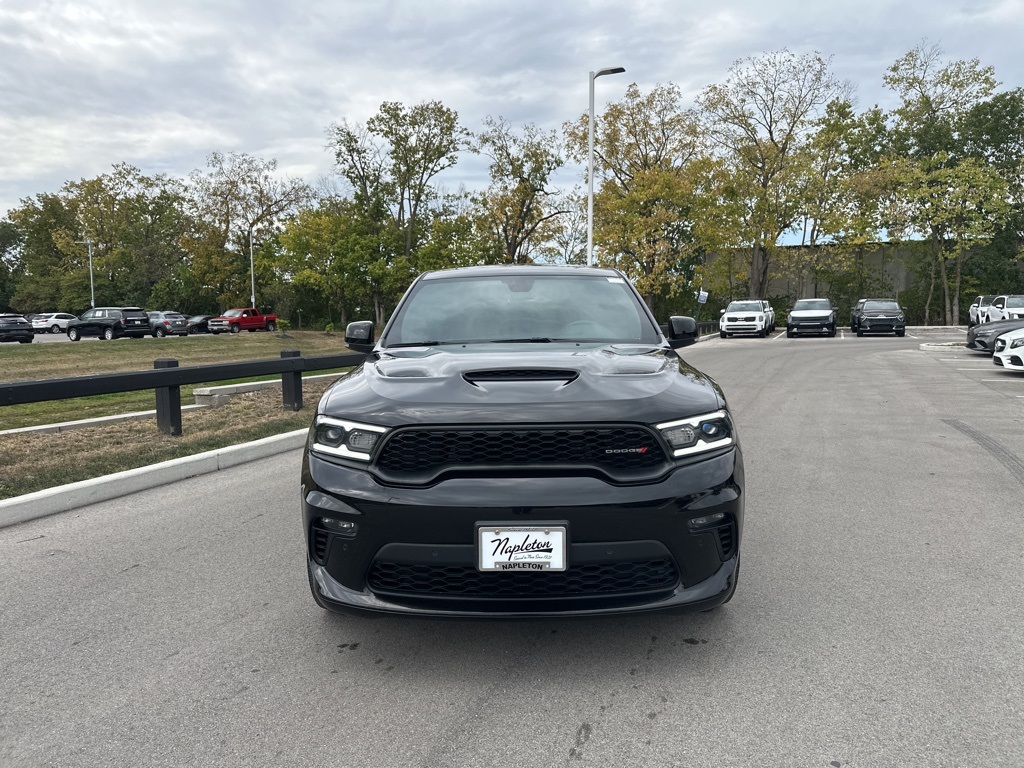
244,319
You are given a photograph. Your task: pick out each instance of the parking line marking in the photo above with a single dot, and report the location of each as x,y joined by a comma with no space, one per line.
1014,381
974,369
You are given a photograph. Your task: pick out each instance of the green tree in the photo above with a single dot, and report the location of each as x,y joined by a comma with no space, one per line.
520,200
762,118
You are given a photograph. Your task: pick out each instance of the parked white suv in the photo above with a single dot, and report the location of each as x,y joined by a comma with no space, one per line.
770,314
1005,307
978,312
744,317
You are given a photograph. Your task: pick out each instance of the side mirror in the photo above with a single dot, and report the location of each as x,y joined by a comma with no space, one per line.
682,331
359,336
721,311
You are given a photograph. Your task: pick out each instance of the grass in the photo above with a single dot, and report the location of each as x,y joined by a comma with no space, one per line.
36,461
34,362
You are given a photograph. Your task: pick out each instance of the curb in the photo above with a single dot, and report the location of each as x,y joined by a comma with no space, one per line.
52,501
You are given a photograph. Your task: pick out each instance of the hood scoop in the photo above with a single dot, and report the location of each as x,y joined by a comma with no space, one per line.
521,374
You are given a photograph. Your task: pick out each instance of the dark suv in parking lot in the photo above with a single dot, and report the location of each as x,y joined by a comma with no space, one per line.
878,316
110,323
522,442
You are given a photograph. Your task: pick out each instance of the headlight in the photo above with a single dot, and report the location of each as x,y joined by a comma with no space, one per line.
984,332
1017,343
698,434
900,318
345,438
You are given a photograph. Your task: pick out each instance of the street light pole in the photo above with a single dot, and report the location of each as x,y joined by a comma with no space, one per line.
92,291
590,162
252,273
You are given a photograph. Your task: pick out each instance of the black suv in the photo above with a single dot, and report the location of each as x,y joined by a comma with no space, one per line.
522,441
878,316
110,323
15,328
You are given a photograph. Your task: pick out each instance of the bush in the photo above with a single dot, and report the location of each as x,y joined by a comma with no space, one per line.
329,328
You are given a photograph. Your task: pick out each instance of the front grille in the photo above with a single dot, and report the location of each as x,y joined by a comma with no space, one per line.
595,579
612,448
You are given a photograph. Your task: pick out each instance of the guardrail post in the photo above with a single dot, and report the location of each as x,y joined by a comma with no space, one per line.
168,402
291,384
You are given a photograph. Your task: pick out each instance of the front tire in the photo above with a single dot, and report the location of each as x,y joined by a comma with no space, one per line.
723,334
236,328
763,333
860,334
901,334
832,331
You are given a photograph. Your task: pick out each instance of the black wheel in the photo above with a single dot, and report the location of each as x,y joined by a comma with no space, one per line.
271,326
763,333
859,334
108,333
901,333
73,334
723,334
790,334
192,330
235,328
159,333
54,328
215,333
832,330
25,341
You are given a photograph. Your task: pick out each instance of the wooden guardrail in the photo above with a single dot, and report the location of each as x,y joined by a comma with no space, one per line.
167,379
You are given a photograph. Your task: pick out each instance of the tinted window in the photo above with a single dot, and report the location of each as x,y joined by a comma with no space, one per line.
812,304
744,306
881,306
496,307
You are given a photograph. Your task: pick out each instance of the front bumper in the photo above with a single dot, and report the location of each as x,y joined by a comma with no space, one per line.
881,325
631,548
823,325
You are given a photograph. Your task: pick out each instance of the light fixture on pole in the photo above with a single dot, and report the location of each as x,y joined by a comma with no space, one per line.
92,291
590,162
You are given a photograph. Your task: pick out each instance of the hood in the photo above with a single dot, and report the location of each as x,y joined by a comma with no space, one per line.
522,383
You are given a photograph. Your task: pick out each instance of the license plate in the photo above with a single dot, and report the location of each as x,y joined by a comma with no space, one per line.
521,548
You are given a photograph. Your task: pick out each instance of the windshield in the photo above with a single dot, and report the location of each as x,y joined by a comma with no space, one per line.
521,308
881,306
812,304
745,306
1015,301
233,313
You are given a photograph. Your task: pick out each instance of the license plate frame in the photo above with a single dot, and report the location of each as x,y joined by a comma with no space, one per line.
518,548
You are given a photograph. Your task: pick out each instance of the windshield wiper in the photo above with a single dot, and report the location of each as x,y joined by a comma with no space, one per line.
531,340
418,344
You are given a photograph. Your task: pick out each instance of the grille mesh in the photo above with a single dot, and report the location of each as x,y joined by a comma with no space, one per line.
424,450
600,579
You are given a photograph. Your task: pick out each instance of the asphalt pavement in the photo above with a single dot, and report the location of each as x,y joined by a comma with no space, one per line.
877,621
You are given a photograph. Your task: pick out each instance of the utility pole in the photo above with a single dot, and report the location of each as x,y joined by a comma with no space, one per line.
92,291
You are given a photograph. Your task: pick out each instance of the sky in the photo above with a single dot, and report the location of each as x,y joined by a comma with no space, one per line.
160,85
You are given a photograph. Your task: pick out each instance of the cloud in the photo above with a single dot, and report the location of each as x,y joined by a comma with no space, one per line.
161,85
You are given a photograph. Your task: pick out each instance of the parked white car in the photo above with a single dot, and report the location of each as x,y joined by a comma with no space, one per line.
743,317
1005,307
52,322
770,314
979,310
1009,351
